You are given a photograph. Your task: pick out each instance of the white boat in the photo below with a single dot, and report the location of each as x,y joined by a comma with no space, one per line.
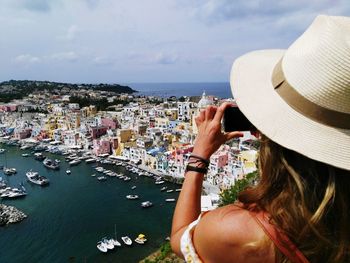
75,162
57,160
48,163
170,200
116,243
163,188
93,175
178,190
25,154
35,178
2,150
68,171
170,191
9,171
14,193
90,160
132,197
127,240
133,187
102,178
101,246
126,178
141,239
159,182
108,243
146,204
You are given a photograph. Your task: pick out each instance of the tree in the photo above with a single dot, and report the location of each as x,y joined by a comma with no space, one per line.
230,195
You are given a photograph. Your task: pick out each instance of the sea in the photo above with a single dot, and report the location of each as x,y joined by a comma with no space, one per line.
67,218
218,89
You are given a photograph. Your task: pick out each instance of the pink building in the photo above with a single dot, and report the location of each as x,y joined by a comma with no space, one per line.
23,134
98,131
8,108
109,123
101,147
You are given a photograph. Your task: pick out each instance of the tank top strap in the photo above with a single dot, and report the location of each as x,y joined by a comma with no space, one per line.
281,240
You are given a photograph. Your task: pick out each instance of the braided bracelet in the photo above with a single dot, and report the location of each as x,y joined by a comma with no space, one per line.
196,169
205,161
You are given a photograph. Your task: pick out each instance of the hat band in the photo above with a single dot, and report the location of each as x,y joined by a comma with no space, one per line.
304,106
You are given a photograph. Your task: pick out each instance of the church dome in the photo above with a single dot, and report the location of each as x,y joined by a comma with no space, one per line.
204,101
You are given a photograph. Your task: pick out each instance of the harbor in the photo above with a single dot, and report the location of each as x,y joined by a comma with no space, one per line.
69,216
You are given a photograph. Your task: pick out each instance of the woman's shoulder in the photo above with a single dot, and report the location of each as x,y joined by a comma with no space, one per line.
232,233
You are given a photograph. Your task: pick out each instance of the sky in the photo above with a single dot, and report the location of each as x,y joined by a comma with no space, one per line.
126,41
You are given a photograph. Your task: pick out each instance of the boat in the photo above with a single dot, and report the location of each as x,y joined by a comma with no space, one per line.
90,160
146,204
35,178
178,190
141,239
101,246
48,163
133,187
68,171
132,197
57,160
108,243
25,154
116,243
39,156
126,178
75,162
2,150
93,175
14,193
127,240
102,178
170,200
163,188
170,191
159,182
9,171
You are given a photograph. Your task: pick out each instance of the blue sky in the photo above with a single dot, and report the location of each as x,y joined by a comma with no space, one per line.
120,41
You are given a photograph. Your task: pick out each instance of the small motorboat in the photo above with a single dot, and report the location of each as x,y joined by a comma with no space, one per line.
146,204
170,200
101,246
68,171
75,162
169,191
25,154
35,178
116,243
93,175
102,178
163,188
132,197
141,239
2,150
127,240
133,187
159,182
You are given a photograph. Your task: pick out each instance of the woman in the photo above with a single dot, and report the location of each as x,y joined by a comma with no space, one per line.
299,99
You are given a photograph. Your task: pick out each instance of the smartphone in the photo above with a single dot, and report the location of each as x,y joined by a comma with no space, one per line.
234,120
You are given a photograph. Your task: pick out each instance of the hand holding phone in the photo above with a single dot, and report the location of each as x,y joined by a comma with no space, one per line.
234,120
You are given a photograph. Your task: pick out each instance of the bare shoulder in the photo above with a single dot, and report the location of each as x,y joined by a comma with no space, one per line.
231,233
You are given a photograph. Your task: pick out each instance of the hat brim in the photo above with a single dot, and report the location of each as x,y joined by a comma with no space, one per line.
254,94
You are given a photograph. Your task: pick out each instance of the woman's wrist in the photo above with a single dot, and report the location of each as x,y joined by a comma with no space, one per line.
201,153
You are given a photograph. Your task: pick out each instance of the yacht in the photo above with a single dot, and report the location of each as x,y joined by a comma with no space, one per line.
141,239
132,197
108,243
146,204
75,162
14,193
127,240
48,163
101,246
9,171
39,157
35,178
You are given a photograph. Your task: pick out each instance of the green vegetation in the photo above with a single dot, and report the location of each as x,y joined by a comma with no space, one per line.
17,89
101,104
163,255
230,195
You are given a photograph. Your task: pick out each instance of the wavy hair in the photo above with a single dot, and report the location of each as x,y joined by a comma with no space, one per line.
308,200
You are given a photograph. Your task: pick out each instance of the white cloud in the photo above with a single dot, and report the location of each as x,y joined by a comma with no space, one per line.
26,59
70,56
71,33
166,59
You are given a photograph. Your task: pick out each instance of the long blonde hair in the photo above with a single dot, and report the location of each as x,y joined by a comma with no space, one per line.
308,200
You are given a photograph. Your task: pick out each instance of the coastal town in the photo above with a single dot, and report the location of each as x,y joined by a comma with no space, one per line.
154,134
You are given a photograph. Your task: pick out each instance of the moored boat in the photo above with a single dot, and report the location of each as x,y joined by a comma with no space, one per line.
132,197
141,239
48,163
126,240
101,246
146,204
35,178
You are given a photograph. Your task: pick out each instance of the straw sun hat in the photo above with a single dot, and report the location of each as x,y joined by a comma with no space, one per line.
300,97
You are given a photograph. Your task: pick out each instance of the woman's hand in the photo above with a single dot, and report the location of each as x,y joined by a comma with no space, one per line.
210,136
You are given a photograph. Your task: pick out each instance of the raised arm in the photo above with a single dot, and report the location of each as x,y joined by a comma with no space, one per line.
209,139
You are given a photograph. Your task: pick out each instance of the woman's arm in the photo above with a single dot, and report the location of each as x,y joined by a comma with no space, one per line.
209,139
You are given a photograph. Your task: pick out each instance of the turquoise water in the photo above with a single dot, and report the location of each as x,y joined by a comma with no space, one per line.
67,218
